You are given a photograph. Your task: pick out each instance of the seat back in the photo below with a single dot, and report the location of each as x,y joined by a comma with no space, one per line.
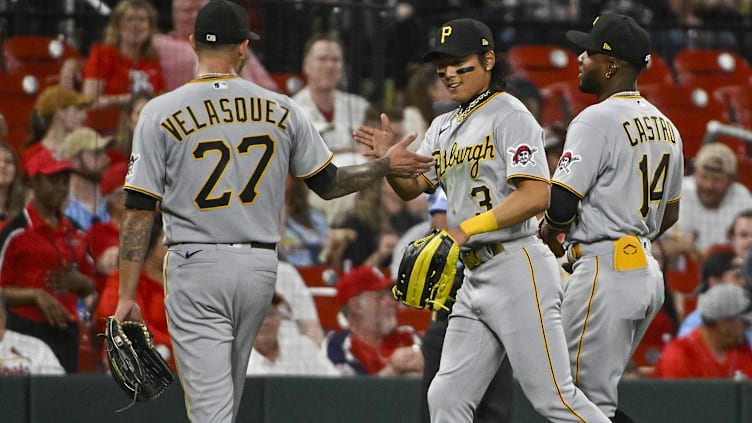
658,72
711,68
18,93
690,109
543,64
38,55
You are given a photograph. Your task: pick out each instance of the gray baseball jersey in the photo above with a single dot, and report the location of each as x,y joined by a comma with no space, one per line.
507,306
623,159
242,139
478,160
216,152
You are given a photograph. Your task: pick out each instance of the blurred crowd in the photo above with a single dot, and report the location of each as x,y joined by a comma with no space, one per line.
61,196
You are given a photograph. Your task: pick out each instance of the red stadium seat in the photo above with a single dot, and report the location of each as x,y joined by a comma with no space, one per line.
711,68
685,276
546,66
738,99
38,55
658,72
18,93
690,109
324,296
289,83
543,64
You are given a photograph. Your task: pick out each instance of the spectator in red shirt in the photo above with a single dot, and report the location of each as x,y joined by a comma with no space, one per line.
150,294
44,268
717,348
127,61
58,111
373,344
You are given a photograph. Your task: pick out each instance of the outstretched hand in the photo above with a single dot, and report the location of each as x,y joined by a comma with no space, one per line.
377,140
403,163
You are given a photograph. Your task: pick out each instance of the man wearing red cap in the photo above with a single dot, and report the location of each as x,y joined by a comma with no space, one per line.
44,269
373,344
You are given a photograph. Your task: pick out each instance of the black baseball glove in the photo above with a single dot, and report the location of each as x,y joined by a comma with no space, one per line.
426,272
135,364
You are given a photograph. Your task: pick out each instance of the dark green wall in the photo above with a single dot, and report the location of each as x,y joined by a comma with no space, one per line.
94,398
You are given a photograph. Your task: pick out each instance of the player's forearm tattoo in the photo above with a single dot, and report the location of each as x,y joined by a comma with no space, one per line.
134,234
356,177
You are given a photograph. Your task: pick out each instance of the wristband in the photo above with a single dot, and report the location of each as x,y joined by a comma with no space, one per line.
484,222
559,226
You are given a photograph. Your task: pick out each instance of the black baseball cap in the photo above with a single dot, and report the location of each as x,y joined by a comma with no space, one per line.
222,22
617,36
459,38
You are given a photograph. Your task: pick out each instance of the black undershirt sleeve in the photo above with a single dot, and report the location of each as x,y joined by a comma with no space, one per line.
322,179
140,201
563,208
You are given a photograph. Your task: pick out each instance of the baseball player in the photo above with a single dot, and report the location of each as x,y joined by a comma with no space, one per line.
496,404
489,159
616,188
215,153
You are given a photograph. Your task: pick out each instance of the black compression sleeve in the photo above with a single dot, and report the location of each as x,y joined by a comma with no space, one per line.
318,182
140,201
563,208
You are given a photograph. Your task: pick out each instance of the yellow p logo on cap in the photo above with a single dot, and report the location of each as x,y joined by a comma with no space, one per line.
445,32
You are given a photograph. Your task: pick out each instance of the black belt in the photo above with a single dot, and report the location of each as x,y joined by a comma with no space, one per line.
253,244
264,245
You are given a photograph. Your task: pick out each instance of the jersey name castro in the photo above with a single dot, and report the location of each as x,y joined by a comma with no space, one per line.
216,153
653,128
635,152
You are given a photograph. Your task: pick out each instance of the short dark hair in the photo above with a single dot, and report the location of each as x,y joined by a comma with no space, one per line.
324,36
744,214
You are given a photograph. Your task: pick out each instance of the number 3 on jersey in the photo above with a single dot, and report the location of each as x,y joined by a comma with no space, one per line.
247,195
652,187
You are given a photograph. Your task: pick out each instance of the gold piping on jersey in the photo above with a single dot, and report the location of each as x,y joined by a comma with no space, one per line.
545,340
429,182
568,188
526,176
585,324
674,200
168,255
320,168
142,191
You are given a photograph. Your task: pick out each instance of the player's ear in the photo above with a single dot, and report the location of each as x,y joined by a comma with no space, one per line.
192,41
489,60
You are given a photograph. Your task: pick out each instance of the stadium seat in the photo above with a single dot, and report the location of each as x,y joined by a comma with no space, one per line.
658,72
711,68
738,99
317,278
289,83
690,109
546,66
684,276
17,96
543,64
38,55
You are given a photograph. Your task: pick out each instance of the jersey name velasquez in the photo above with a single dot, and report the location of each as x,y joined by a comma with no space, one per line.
475,159
212,148
636,153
